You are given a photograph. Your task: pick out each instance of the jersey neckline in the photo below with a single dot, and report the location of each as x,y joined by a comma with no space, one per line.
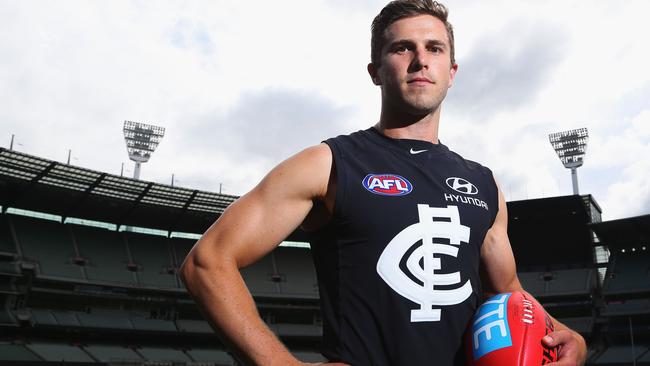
410,147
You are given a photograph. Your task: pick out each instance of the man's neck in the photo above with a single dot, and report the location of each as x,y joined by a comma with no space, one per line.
410,127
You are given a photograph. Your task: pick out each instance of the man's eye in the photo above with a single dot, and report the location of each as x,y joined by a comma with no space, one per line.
435,49
400,49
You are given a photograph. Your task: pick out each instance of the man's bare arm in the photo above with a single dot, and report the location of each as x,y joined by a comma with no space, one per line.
249,229
500,275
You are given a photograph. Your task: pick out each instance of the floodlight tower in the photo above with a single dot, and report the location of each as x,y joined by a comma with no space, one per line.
141,141
571,147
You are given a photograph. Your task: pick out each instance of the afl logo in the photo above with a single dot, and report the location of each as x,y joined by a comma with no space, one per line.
461,185
387,184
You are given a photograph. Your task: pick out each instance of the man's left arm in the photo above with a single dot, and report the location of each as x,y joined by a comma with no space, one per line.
499,274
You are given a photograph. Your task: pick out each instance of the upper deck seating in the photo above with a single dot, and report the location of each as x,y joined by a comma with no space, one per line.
105,253
48,243
628,273
295,266
566,282
152,256
260,276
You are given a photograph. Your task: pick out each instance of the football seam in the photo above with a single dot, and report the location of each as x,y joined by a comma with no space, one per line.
524,337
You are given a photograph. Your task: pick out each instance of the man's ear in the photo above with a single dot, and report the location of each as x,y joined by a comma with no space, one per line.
374,75
452,74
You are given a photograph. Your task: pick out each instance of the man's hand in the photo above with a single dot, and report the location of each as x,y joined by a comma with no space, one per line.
572,350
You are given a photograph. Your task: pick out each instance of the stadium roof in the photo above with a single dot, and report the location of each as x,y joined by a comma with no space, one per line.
34,183
624,232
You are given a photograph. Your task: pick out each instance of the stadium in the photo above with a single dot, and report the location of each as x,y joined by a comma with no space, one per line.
89,261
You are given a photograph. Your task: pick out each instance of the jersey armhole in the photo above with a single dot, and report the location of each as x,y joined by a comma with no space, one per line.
495,198
341,177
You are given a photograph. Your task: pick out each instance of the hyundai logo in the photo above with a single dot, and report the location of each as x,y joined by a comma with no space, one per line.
461,185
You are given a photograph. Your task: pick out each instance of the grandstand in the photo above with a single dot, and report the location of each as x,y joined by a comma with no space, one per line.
89,260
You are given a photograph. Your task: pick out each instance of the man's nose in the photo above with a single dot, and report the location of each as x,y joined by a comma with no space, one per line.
420,60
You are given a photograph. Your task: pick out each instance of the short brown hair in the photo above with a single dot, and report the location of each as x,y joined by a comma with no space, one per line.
399,9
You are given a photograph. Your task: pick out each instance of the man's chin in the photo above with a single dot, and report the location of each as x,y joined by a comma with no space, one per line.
420,110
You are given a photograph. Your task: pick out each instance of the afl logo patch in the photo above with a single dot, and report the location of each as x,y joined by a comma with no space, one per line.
461,185
387,184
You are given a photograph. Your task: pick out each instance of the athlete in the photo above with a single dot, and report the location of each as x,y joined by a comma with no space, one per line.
408,236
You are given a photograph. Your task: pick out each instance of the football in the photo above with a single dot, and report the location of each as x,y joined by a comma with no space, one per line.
507,330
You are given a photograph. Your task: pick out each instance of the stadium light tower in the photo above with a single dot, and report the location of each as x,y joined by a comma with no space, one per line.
141,141
571,147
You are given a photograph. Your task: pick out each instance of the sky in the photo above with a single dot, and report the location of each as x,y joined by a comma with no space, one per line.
240,86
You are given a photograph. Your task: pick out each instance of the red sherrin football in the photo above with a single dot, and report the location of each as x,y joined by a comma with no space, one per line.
507,330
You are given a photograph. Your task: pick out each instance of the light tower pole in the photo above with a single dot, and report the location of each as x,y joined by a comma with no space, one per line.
571,147
141,141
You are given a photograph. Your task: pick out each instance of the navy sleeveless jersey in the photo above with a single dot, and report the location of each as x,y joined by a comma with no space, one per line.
398,264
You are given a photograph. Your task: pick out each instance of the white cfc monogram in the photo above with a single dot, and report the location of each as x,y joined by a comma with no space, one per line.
423,263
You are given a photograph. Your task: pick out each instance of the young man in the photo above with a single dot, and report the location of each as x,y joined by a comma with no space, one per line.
401,224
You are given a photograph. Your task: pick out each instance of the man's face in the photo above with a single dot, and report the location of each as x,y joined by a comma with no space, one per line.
416,69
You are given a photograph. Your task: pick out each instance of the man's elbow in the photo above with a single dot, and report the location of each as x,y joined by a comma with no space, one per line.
187,270
203,265
195,262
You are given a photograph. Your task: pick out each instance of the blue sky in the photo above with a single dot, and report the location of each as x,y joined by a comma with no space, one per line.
240,86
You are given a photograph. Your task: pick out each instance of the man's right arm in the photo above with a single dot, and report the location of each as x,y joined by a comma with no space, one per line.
249,229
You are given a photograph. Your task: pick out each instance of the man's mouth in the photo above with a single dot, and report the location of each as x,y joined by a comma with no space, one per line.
419,80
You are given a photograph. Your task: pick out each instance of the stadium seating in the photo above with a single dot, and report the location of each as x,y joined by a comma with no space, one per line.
7,245
583,325
645,358
66,318
533,282
152,256
144,322
208,355
163,354
180,248
193,326
262,278
146,305
116,354
105,253
621,355
297,330
50,245
296,269
17,352
627,307
43,317
105,319
59,352
112,353
567,282
628,273
309,356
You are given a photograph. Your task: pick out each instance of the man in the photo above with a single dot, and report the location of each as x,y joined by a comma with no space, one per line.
405,231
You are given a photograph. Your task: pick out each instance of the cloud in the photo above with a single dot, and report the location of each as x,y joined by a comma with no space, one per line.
364,7
631,103
272,123
506,69
187,34
239,145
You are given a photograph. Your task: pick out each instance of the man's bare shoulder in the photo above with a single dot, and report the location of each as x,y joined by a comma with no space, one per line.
307,172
